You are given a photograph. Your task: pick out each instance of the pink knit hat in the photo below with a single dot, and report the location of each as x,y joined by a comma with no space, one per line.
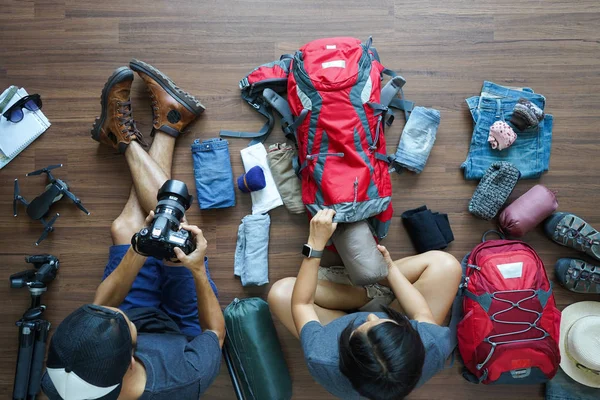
501,135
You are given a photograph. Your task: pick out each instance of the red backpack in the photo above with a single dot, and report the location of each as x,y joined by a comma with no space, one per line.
510,329
335,112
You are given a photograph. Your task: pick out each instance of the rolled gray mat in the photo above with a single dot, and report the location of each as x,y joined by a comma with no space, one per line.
358,250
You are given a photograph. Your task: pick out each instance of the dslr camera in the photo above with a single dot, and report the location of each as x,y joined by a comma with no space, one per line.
162,236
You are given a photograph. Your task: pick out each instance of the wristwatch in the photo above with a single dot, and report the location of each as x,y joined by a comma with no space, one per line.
309,252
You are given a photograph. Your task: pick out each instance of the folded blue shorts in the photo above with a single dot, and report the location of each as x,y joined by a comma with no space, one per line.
167,288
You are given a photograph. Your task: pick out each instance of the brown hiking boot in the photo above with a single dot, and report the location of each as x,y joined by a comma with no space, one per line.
172,108
115,126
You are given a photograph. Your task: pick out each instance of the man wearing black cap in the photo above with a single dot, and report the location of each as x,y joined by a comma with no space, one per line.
154,331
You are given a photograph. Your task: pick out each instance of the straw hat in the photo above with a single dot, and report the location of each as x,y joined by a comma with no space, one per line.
580,342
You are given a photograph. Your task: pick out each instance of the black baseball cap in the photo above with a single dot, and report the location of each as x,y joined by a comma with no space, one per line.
89,355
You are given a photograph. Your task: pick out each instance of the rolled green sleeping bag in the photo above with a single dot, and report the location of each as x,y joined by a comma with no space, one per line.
358,250
253,353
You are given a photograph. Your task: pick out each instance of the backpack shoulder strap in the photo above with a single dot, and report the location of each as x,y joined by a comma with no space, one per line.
267,76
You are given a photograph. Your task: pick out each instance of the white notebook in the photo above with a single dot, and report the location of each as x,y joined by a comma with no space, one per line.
15,137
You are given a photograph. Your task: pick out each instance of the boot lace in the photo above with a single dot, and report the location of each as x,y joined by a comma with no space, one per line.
127,122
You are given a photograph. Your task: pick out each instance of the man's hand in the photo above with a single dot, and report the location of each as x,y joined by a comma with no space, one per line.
386,256
321,229
195,260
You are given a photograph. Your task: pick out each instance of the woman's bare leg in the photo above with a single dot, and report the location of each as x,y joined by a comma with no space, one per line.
280,303
436,275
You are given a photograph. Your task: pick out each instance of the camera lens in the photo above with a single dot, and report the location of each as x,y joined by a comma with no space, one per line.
173,199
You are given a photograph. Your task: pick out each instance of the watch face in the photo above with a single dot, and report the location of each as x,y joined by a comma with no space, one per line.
306,250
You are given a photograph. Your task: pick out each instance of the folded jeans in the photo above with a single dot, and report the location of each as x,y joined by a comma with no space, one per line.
417,139
213,174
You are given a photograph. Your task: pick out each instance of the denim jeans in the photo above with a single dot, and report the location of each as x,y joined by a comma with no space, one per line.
213,174
530,152
417,139
562,387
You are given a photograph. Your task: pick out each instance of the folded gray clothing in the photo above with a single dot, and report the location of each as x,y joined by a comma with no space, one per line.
493,190
280,157
251,261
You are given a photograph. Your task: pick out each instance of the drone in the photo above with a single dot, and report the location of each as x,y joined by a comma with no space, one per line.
39,208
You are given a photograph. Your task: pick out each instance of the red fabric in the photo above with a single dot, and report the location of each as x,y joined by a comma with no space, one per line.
338,118
477,324
264,73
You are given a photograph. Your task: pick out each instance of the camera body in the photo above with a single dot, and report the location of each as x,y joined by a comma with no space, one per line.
162,236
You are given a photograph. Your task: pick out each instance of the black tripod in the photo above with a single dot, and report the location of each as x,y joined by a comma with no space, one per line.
33,329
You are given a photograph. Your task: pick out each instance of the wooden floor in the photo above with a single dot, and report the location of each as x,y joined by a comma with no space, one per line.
66,49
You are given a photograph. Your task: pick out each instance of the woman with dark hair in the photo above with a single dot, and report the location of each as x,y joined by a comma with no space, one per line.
393,343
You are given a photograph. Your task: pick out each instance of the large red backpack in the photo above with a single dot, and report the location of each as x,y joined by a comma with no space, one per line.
336,111
510,329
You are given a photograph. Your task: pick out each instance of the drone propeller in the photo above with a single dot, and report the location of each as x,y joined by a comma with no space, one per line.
48,168
47,228
75,200
17,197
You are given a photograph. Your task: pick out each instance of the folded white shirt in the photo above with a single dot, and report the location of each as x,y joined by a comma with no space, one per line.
268,198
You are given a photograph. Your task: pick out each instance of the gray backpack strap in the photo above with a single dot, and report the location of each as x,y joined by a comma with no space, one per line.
288,123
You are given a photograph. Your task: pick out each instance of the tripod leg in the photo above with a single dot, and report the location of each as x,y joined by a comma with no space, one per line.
37,362
26,343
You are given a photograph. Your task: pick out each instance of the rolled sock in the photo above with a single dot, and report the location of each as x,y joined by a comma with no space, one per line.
280,158
493,190
417,139
443,224
501,135
251,260
423,230
267,198
252,180
526,115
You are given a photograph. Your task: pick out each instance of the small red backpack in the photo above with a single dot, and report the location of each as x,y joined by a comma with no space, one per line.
510,329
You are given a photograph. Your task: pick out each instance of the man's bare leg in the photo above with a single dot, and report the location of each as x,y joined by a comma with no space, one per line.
435,274
149,171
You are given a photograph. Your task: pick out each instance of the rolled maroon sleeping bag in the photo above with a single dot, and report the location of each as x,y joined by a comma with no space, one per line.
528,211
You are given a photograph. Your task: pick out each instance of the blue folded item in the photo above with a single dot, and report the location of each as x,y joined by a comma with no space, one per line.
251,261
417,139
530,152
213,174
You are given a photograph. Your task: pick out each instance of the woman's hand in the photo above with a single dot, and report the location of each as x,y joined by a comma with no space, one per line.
386,256
195,260
321,229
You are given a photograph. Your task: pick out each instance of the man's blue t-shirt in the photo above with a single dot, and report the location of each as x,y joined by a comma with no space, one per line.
176,367
321,351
